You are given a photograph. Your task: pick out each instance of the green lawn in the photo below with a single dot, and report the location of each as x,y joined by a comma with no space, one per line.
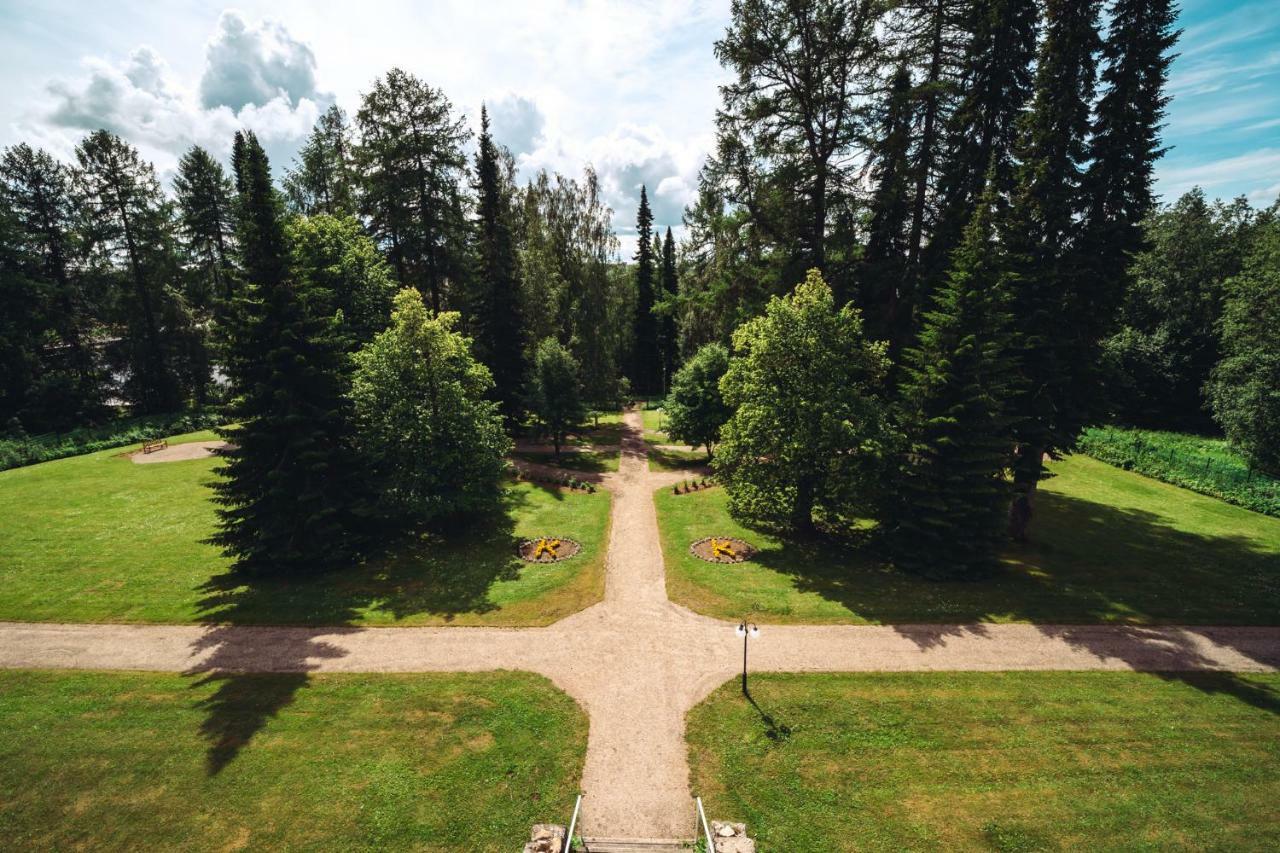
1006,761
1109,546
654,421
131,761
99,538
589,461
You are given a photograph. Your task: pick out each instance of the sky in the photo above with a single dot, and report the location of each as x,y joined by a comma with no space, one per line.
628,86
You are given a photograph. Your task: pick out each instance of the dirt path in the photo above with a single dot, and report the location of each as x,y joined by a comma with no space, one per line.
635,661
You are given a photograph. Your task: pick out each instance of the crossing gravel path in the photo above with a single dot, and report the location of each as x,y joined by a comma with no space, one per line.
635,661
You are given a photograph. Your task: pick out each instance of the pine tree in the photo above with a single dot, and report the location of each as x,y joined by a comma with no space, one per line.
323,179
1056,329
646,358
953,405
129,222
410,161
206,217
884,263
996,82
288,495
669,290
500,332
1125,144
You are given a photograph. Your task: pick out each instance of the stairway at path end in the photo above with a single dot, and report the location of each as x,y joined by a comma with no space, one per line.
633,845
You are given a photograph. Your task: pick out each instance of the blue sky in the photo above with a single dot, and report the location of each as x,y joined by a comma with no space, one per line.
627,86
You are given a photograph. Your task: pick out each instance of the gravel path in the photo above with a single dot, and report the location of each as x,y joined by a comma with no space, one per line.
635,661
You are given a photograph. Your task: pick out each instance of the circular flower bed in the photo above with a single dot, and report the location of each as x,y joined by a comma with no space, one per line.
547,549
722,549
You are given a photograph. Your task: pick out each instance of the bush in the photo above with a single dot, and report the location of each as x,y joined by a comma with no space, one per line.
29,450
1209,466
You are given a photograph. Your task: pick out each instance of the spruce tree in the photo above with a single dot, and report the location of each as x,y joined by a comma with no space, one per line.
288,495
884,262
1125,144
500,334
669,290
646,358
1057,330
996,82
954,410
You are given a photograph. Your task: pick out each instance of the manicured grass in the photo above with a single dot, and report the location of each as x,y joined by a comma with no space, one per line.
1209,466
1004,761
131,761
1109,546
654,420
676,460
99,538
590,461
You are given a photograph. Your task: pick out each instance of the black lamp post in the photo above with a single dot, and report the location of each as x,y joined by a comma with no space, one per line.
747,631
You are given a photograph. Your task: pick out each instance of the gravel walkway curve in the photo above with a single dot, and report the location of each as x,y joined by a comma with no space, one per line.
636,661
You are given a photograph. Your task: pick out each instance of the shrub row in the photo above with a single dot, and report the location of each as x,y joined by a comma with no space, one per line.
689,486
1205,465
19,450
557,480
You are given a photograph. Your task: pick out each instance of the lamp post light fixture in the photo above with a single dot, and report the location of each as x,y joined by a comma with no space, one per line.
747,631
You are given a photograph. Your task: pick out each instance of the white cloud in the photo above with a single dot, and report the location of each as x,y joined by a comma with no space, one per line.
255,64
141,100
1259,169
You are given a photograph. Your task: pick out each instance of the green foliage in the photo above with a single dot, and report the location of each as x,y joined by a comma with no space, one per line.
808,429
555,390
500,333
952,493
434,444
16,451
324,180
1164,351
694,408
646,353
1245,385
410,163
290,491
206,223
1209,466
668,337
346,272
129,222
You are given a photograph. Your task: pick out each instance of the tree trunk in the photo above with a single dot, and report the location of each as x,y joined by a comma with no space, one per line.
802,512
1026,476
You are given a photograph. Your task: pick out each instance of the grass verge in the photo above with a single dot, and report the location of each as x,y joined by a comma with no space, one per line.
131,761
1108,546
98,538
1004,761
1209,466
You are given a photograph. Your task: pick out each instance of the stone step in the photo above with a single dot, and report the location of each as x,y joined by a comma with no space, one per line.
633,845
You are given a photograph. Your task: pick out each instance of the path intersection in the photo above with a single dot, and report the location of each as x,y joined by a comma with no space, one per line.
635,661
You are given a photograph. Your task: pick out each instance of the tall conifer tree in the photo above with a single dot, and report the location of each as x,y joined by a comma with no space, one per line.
206,218
1056,328
500,334
670,287
288,493
954,401
646,358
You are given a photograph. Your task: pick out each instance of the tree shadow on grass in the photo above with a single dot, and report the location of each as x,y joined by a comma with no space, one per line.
259,670
1090,563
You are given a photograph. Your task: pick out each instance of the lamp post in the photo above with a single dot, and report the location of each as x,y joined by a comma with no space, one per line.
747,631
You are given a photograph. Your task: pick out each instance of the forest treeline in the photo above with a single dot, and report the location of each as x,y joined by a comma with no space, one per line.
964,187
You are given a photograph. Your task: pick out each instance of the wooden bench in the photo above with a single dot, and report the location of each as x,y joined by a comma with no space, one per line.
152,446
